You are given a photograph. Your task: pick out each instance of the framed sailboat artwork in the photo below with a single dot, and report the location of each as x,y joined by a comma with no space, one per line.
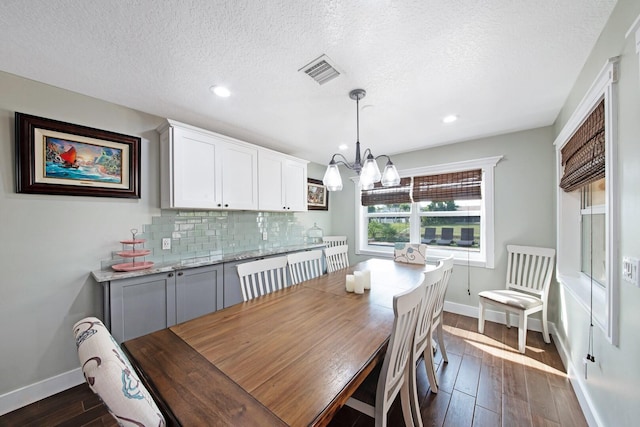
54,157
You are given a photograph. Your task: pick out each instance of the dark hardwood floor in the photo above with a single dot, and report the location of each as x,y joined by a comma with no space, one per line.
486,383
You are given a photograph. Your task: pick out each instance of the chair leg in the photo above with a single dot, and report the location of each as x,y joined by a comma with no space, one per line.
545,327
413,392
441,342
405,400
522,332
508,318
431,371
481,317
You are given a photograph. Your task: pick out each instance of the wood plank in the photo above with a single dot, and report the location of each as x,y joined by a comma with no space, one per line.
447,374
513,380
434,408
468,375
515,412
490,388
569,412
460,411
485,418
166,362
541,400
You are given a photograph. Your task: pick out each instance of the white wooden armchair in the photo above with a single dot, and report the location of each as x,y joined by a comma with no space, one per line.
529,272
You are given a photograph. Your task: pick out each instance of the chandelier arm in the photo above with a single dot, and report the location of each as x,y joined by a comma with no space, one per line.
344,161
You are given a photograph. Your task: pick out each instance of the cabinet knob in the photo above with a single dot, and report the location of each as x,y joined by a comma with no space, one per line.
226,205
180,273
170,275
284,207
219,204
288,207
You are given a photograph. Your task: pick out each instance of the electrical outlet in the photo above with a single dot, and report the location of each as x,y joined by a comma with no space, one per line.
166,243
264,235
630,267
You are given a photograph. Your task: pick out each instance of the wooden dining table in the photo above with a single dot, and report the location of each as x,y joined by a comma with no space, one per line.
289,358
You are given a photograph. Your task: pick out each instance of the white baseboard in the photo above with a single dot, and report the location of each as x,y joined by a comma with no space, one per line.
32,393
577,381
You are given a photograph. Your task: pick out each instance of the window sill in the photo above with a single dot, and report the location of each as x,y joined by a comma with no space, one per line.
580,288
434,255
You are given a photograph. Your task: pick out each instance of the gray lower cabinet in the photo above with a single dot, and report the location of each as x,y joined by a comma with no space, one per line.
141,305
232,292
198,292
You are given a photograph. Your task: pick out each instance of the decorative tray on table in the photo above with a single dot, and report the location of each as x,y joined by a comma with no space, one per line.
133,252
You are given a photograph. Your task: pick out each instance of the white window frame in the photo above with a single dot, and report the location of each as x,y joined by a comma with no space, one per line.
482,258
568,273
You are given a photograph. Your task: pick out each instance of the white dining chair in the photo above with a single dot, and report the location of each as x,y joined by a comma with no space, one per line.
305,265
393,377
262,277
529,271
422,337
337,257
109,374
334,240
437,323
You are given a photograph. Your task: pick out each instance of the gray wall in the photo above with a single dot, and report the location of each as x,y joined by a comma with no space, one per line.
51,243
524,200
614,383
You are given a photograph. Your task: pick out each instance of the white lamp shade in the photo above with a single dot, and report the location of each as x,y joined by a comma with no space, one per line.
390,176
370,170
332,179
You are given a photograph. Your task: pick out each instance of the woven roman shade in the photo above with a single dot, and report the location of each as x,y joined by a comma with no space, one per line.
583,157
465,185
380,195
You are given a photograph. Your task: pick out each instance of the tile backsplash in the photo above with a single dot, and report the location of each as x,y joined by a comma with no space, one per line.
196,234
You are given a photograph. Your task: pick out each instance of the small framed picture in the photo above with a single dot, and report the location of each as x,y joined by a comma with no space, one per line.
54,157
317,195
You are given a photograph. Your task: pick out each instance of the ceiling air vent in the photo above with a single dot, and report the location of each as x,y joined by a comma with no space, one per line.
320,70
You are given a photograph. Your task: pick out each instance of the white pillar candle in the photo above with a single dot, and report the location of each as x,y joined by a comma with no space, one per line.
358,286
350,282
367,279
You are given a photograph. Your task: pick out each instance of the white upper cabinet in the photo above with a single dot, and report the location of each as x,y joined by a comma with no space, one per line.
204,170
282,182
239,177
201,169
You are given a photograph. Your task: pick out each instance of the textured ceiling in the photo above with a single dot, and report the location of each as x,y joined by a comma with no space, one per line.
500,65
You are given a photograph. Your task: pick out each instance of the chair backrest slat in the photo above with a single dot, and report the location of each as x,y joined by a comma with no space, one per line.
529,268
337,257
432,282
305,265
331,241
262,277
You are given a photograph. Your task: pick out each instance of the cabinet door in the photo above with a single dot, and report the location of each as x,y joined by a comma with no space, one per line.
295,185
197,292
232,292
271,182
195,159
142,305
240,177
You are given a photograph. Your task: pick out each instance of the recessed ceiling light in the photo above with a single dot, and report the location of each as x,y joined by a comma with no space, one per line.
342,147
221,91
450,118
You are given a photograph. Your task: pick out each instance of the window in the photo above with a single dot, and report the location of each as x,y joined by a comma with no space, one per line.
449,207
587,203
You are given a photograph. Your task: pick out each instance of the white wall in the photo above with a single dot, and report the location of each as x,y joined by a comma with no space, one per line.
613,384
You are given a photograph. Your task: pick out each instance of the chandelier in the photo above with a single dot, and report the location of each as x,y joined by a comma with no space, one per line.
369,171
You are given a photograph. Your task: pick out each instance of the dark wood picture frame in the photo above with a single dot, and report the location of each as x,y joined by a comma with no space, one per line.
43,168
317,195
